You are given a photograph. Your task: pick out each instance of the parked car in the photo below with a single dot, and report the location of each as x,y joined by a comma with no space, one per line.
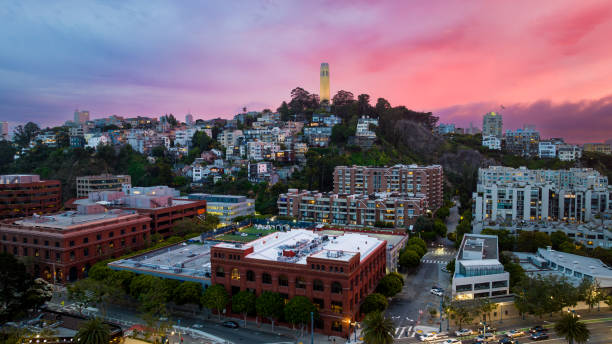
537,329
484,338
428,336
463,332
508,340
514,333
437,292
230,324
198,326
539,336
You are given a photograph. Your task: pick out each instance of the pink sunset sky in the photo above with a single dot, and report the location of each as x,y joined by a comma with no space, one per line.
549,63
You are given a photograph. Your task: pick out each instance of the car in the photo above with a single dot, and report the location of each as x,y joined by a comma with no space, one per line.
437,292
451,341
484,338
163,319
198,325
230,324
463,332
507,340
514,333
489,329
539,336
537,329
428,336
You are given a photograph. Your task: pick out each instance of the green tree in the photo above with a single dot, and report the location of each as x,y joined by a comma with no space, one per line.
377,329
590,292
93,331
7,155
463,311
424,224
506,239
244,303
216,297
440,228
374,302
418,241
572,329
18,290
80,292
450,266
567,247
531,241
389,286
398,276
25,134
409,259
270,306
557,238
298,309
188,292
416,248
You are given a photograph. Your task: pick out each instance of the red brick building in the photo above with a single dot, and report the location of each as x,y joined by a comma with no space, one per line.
335,272
24,195
403,179
64,246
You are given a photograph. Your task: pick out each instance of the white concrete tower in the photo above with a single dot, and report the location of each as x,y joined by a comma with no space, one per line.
324,92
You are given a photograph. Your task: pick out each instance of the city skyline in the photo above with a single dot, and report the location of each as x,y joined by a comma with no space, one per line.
546,66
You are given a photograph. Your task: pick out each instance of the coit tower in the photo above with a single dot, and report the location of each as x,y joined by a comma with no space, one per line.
324,92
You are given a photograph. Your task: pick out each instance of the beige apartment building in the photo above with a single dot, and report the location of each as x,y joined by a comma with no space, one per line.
406,180
102,182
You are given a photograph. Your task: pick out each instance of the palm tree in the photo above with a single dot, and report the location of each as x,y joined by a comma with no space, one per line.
377,329
570,327
93,331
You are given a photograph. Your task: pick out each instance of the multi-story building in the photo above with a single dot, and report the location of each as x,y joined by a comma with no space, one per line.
547,150
566,152
444,128
523,142
317,136
335,272
492,125
574,267
597,147
491,142
363,126
352,210
189,119
4,131
64,246
257,150
506,194
261,171
102,182
229,137
406,180
24,195
226,207
158,203
478,271
81,117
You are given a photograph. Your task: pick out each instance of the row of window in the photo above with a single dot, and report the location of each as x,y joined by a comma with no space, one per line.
282,280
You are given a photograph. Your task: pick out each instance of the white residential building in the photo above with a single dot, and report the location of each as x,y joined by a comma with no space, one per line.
547,150
229,137
566,152
95,140
183,137
492,142
478,271
257,150
363,126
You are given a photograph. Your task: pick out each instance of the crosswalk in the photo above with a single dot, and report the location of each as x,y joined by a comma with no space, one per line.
410,332
434,261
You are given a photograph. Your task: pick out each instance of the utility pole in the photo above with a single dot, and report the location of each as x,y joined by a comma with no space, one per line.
311,327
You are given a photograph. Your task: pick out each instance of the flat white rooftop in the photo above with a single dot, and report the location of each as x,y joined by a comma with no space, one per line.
304,243
69,219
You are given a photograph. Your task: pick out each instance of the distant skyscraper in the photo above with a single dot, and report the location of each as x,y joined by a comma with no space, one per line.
492,125
4,133
324,82
189,119
81,117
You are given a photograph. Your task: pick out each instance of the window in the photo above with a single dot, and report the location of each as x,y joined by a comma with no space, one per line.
133,240
336,288
111,234
317,285
46,242
235,274
85,240
336,326
283,281
35,241
98,237
464,287
481,286
25,240
250,276
336,306
122,231
71,243
300,283
220,272
319,303
266,278
86,251
500,284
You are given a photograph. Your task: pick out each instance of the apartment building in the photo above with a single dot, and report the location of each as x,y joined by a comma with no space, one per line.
229,137
352,210
506,194
406,180
102,182
25,194
491,142
335,272
363,127
63,246
566,152
492,125
226,207
478,271
523,142
547,150
598,148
